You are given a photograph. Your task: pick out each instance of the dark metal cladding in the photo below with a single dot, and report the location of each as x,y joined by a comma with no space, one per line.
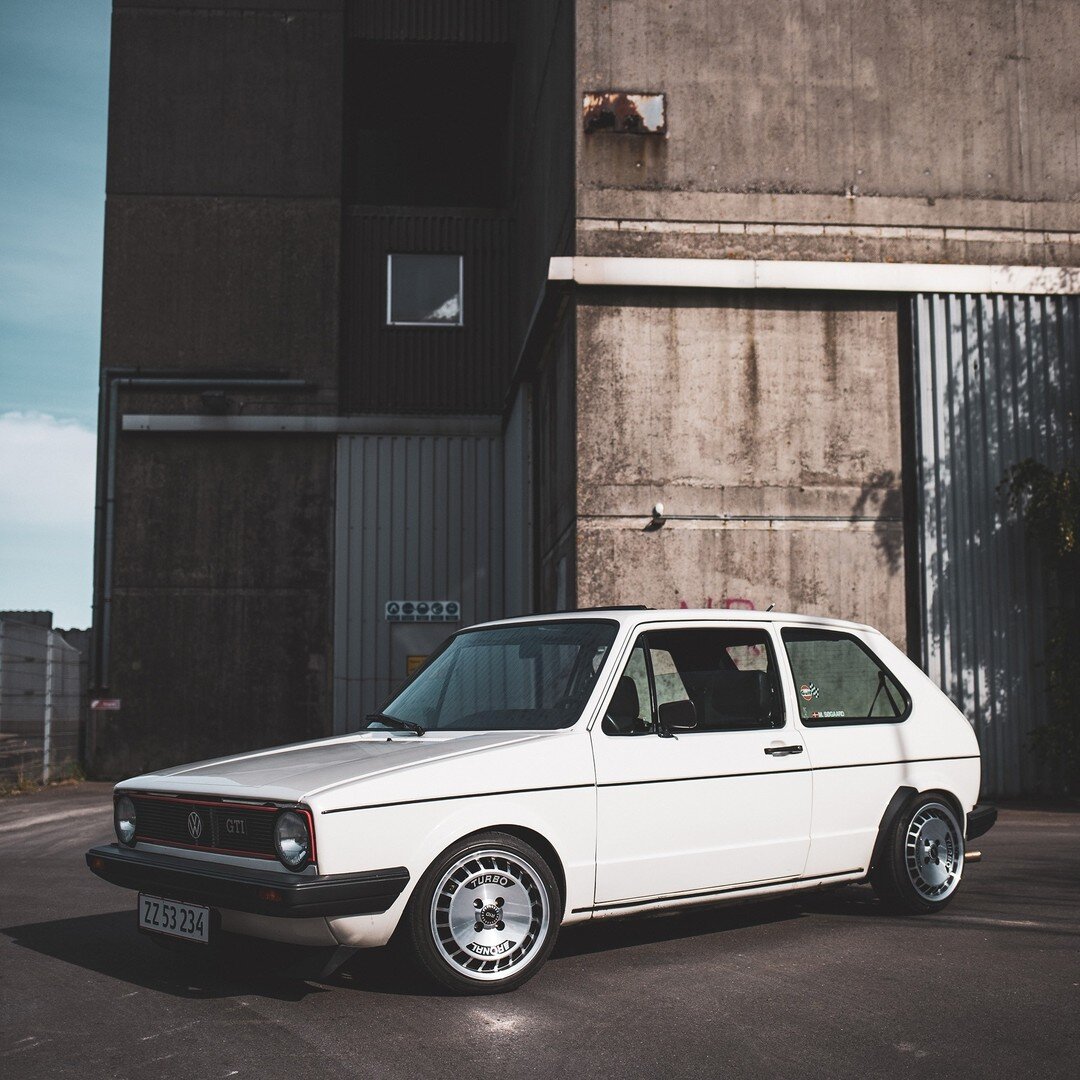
486,21
267,122
426,369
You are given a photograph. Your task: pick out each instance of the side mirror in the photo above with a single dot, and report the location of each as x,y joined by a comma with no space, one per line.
677,716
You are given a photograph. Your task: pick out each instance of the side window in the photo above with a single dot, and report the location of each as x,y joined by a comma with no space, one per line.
728,677
630,710
669,684
839,680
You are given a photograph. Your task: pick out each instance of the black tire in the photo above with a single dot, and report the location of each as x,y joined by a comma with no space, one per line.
922,858
479,870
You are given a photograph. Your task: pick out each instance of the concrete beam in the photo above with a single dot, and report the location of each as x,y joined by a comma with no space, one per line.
814,276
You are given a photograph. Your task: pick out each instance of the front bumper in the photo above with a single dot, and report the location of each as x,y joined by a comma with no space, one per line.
257,891
980,820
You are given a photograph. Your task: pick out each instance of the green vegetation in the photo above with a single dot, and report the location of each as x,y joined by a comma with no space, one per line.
1048,503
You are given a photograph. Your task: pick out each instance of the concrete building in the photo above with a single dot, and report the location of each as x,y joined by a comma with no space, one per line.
415,311
42,699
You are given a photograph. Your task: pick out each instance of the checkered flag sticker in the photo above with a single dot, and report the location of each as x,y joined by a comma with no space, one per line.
809,691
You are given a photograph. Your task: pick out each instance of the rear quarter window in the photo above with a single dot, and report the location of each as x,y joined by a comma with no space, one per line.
839,680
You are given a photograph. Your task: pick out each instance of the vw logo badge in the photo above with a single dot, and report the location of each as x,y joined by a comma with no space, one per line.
194,825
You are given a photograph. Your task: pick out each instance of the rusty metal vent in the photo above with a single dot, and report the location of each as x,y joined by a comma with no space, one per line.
624,113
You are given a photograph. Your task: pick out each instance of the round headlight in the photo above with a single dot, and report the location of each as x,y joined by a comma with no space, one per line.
125,820
292,839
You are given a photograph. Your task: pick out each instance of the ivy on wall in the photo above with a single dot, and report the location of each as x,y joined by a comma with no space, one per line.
1048,503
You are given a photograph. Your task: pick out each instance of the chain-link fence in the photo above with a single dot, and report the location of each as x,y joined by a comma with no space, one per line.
40,704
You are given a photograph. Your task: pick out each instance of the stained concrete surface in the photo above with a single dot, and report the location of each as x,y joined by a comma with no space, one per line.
779,415
819,986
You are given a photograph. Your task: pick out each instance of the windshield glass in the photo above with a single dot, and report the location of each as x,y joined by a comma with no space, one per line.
508,678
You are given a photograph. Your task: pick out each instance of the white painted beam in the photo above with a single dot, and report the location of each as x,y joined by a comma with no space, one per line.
815,276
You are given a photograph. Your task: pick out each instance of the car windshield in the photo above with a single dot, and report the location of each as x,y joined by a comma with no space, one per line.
507,678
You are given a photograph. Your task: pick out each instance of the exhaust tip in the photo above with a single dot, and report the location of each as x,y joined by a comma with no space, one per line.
972,856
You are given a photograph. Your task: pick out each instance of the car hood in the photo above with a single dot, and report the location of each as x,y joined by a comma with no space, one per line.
302,771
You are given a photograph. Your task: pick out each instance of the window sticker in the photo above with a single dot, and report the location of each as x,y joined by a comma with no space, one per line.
809,691
826,714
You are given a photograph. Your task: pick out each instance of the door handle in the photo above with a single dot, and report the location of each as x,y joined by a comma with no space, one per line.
782,751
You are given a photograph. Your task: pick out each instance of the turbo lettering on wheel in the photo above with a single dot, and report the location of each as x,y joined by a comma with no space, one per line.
934,851
489,913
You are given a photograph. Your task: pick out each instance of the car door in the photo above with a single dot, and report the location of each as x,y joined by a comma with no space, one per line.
717,805
852,715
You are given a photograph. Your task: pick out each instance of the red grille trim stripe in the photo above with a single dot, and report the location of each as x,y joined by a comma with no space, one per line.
175,800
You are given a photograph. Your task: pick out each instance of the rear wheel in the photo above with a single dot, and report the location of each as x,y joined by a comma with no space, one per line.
485,916
924,857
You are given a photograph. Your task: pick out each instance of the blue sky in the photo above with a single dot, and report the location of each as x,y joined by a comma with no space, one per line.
54,68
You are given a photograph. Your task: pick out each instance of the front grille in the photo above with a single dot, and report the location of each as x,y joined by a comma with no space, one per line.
227,827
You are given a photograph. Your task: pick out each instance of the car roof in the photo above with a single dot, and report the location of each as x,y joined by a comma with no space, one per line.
633,616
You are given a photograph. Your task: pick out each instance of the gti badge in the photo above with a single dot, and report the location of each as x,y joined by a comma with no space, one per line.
194,825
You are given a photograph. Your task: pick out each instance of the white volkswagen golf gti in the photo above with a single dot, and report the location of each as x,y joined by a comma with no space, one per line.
549,770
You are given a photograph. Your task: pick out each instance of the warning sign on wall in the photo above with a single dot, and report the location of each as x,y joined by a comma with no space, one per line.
423,611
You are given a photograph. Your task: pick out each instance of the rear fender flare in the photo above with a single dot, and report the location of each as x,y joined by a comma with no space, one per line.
900,799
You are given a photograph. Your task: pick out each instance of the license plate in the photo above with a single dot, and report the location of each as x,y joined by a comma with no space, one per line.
188,921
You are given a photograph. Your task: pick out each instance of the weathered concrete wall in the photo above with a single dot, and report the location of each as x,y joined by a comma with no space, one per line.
221,611
903,120
780,412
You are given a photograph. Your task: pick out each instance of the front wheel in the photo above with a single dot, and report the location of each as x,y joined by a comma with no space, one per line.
923,859
485,916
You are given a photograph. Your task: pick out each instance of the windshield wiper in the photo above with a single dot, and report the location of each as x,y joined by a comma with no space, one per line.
394,721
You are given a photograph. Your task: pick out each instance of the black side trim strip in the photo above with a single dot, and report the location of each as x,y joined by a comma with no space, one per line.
719,776
785,772
635,783
746,886
239,889
904,761
451,798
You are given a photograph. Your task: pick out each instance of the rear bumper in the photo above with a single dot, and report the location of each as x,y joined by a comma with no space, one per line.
256,891
980,820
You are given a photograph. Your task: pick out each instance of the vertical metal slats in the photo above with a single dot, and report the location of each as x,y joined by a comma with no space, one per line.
997,378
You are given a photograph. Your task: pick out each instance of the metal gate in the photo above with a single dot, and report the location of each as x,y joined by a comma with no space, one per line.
419,518
996,381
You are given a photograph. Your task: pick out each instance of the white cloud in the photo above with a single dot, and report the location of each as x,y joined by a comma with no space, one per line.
46,471
46,516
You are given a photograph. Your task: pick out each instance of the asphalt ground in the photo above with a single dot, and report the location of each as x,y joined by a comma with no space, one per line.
819,985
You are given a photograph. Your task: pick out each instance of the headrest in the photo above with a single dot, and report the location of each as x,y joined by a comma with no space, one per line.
739,693
625,704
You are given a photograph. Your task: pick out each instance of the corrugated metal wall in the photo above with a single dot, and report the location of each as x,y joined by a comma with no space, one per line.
418,517
426,369
430,20
996,378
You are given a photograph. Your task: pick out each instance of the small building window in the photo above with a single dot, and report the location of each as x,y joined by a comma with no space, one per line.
424,290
